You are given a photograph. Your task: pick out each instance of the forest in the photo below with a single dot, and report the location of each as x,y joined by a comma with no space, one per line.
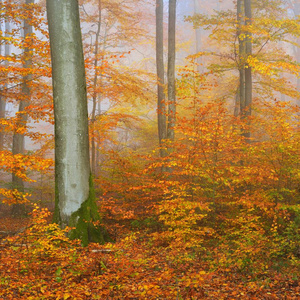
150,149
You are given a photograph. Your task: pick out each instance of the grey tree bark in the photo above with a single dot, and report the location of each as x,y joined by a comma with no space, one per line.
296,9
95,83
198,37
241,57
2,97
161,100
171,71
18,145
75,204
2,101
248,71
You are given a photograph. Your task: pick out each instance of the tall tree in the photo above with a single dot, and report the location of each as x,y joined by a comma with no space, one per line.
2,101
198,36
4,86
244,19
241,58
161,101
171,71
296,9
18,145
95,94
75,199
248,69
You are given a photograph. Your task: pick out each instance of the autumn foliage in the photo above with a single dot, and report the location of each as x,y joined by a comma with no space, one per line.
218,218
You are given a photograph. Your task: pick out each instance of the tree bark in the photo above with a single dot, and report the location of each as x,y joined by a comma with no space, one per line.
2,97
248,71
241,58
18,145
95,82
171,71
198,37
75,204
296,9
161,102
2,102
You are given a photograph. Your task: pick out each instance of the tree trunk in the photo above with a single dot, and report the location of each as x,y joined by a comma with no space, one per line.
241,58
95,82
248,71
297,12
98,145
18,146
75,204
161,102
2,101
236,103
2,97
171,72
198,37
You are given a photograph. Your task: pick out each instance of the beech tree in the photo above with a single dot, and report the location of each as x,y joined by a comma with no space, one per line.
246,111
241,67
18,145
161,104
75,200
198,37
2,98
171,71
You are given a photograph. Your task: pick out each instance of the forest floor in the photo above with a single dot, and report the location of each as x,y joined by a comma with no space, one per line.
38,263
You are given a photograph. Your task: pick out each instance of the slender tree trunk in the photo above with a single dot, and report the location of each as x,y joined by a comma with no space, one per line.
99,101
236,103
198,37
248,70
242,50
298,81
75,204
171,71
296,9
2,97
161,101
18,146
2,101
95,82
297,12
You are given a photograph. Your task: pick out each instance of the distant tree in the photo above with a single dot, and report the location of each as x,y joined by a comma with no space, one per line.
241,58
75,200
171,71
198,36
2,97
246,111
161,100
18,145
95,94
295,5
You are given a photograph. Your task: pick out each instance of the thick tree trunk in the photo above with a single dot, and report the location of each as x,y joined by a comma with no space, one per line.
75,200
161,101
18,145
171,71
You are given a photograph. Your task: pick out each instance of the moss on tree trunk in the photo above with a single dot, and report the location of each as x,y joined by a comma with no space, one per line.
86,221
